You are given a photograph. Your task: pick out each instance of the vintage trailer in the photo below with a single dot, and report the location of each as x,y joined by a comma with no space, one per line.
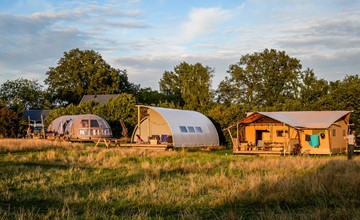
80,127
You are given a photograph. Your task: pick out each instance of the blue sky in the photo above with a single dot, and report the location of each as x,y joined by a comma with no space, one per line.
148,37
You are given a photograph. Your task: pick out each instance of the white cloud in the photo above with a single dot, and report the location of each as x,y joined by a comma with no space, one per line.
203,21
129,35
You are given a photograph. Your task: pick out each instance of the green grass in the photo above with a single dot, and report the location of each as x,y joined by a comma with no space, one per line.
62,181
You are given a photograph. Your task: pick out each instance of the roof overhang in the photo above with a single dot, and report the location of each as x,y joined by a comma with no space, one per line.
299,119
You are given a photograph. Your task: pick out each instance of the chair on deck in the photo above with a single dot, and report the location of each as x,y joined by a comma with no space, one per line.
294,147
260,145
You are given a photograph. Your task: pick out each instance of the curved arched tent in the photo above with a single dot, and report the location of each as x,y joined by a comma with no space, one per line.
179,128
58,125
81,127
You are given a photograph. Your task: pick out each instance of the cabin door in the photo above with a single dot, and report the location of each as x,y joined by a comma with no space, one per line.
259,135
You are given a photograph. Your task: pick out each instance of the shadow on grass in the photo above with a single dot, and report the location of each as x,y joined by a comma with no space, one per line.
35,199
330,192
29,150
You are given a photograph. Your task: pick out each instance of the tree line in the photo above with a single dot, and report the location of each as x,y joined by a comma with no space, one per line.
269,80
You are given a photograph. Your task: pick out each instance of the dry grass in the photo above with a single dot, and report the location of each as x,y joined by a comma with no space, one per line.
12,145
65,181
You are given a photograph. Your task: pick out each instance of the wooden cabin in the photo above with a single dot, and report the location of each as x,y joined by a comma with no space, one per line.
284,133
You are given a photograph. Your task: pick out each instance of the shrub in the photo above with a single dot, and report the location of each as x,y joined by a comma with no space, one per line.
9,123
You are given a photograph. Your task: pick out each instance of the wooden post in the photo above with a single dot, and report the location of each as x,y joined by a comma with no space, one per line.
149,126
43,126
286,146
237,136
28,132
298,134
139,118
329,138
232,139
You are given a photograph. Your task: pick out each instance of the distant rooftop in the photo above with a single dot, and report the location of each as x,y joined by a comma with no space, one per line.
101,99
35,115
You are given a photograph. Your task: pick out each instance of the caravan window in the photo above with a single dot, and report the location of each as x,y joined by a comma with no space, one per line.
85,123
103,124
95,132
83,131
94,124
106,132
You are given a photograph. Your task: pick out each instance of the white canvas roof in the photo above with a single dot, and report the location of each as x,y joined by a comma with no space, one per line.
300,119
56,124
176,118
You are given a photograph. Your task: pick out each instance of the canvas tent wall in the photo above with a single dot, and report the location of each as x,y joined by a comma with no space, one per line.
81,127
181,128
317,132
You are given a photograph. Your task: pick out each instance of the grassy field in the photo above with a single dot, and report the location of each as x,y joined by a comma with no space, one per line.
49,180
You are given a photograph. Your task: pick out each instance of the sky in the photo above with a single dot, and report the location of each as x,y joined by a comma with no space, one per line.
149,37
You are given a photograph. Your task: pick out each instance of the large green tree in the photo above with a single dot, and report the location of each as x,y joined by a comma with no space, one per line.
23,94
312,91
189,86
84,72
261,80
344,95
148,96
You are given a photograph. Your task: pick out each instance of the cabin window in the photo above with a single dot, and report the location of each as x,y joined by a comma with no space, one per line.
198,129
85,123
279,133
191,129
94,124
183,129
333,132
344,133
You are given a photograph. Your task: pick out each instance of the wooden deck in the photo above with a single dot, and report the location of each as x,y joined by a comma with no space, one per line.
113,142
274,149
259,153
149,146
